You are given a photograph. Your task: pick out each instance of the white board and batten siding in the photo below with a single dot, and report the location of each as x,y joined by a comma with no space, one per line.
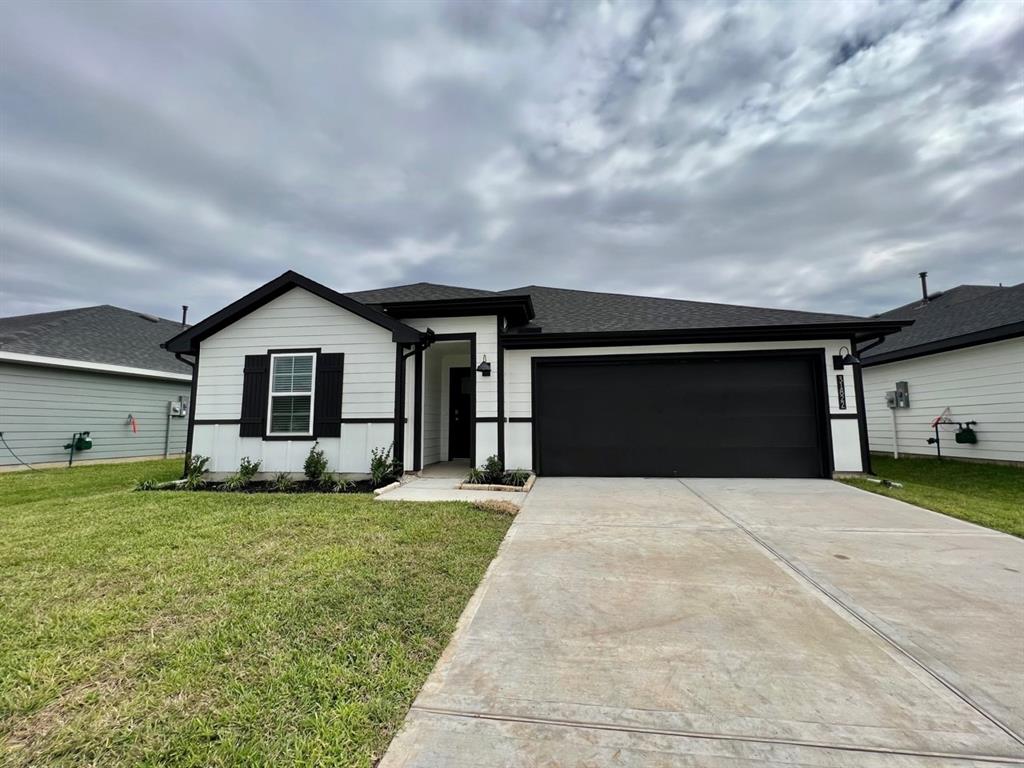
984,383
486,329
297,319
518,392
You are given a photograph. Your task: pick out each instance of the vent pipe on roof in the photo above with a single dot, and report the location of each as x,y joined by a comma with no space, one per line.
924,285
184,314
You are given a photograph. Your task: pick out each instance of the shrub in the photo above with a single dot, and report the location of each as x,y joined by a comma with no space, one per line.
149,484
283,482
195,467
316,464
383,468
338,486
476,476
492,472
247,470
517,477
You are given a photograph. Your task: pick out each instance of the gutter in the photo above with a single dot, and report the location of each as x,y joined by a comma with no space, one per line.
87,365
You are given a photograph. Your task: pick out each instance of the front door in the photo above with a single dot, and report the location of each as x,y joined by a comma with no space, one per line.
460,406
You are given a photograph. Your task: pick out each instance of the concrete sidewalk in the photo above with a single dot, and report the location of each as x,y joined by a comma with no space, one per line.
440,482
656,623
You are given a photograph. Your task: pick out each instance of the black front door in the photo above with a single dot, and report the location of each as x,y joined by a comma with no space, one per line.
460,407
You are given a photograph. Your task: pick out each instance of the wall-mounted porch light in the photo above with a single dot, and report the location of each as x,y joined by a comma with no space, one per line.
484,367
841,360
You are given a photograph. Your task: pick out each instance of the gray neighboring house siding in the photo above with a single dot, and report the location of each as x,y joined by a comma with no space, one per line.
40,408
88,369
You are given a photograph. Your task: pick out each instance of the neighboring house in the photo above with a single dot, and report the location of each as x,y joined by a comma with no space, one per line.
90,369
965,352
563,382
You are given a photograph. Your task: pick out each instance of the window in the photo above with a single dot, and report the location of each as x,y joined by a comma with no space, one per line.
291,394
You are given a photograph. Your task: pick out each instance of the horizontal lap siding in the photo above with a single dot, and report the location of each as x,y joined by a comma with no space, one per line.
983,384
41,407
517,367
299,319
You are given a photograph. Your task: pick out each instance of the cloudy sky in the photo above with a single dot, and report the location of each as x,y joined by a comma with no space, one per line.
809,155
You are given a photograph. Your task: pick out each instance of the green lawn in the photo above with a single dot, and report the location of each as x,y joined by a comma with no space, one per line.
159,628
987,494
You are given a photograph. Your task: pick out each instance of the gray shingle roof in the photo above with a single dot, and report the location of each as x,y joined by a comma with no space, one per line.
101,334
951,315
418,292
563,310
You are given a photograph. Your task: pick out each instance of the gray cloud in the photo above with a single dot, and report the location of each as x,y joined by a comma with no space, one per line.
811,156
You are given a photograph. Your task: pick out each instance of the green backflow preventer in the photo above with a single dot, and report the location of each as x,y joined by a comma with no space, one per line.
80,441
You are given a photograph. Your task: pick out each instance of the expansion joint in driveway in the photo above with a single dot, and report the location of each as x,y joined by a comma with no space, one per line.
587,725
854,613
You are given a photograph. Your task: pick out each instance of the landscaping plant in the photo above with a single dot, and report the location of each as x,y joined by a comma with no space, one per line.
316,464
383,468
247,470
493,473
195,467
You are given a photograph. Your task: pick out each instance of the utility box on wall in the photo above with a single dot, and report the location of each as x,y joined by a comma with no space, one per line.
899,397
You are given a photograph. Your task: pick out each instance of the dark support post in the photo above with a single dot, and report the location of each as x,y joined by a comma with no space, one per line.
417,429
501,395
862,416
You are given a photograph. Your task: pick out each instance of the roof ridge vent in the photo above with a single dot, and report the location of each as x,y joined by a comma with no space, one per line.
151,318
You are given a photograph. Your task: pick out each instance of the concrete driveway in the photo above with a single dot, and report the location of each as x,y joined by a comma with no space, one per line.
730,623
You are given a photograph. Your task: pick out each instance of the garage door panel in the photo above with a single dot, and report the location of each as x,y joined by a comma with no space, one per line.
679,416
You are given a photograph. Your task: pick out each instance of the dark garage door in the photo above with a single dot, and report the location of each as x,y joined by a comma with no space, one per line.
679,416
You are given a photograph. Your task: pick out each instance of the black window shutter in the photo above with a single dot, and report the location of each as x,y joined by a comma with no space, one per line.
255,390
327,403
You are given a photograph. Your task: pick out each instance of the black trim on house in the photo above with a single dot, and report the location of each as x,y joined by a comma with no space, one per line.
487,420
217,422
398,441
987,336
417,422
188,340
807,332
371,420
517,310
862,417
519,419
844,415
501,394
193,388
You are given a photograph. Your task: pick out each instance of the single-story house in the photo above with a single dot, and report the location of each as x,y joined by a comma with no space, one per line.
99,370
964,353
563,382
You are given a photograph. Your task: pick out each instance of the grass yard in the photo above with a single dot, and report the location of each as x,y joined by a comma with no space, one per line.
195,629
987,494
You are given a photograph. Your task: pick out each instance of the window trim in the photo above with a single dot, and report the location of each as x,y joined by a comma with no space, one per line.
313,353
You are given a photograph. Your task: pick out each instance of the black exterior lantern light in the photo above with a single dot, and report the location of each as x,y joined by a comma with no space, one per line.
842,360
484,367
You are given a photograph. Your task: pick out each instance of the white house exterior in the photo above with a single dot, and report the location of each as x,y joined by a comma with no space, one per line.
964,353
560,382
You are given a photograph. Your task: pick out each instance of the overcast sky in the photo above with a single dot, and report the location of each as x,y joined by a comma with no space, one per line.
811,155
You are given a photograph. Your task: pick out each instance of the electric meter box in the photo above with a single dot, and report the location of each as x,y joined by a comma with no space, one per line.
902,395
179,407
890,399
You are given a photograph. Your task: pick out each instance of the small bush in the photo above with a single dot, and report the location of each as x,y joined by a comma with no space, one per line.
338,486
149,484
383,468
517,477
247,470
283,483
316,464
493,473
195,467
